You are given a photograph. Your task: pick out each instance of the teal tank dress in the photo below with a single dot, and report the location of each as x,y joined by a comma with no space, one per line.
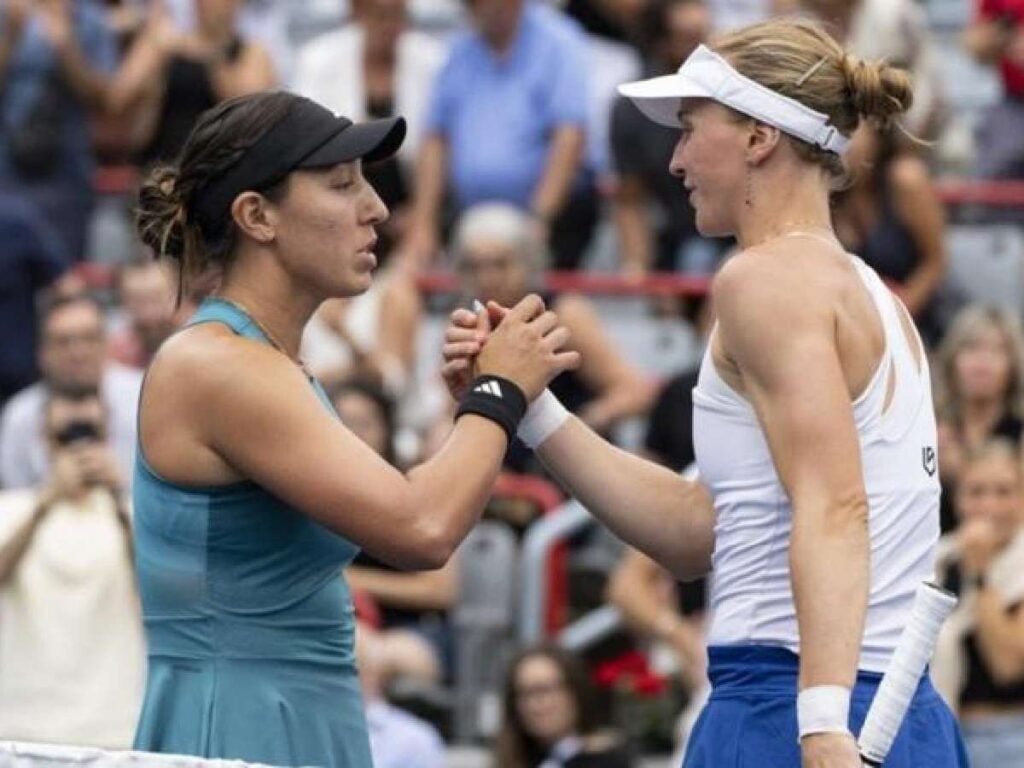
248,619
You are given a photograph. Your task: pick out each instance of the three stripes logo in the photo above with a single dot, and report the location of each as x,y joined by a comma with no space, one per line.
491,387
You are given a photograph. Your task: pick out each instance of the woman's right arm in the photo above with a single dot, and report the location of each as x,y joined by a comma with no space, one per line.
257,412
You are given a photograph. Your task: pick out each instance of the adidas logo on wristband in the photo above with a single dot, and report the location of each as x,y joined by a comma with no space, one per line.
490,387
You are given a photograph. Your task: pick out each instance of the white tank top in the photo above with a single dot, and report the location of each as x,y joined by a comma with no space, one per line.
751,595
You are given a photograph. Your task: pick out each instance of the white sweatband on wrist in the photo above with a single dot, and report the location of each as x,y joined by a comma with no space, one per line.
823,709
545,415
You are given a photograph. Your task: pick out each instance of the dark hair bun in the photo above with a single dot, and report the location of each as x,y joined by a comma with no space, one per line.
160,218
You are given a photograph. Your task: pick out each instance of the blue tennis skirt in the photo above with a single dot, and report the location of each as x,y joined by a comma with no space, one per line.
750,718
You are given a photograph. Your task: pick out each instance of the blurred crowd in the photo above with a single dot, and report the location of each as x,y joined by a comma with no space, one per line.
521,160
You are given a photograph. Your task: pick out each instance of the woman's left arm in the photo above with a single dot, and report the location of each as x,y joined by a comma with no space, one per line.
785,350
919,209
621,391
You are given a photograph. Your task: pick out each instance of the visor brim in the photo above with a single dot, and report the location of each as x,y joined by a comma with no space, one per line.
658,98
371,141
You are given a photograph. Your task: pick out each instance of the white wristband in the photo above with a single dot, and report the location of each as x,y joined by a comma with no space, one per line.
543,417
823,709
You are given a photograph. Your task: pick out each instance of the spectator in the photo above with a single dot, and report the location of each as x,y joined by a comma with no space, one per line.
170,77
72,360
549,717
31,259
996,36
979,662
891,216
980,388
390,70
414,636
518,83
397,738
671,30
897,31
498,257
659,609
71,645
146,291
55,60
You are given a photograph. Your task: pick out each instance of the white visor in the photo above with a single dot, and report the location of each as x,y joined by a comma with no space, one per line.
706,75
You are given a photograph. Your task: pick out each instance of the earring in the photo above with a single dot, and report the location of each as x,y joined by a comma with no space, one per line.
748,198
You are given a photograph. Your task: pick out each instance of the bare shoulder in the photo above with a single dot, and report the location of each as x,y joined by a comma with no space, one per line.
773,283
202,369
205,356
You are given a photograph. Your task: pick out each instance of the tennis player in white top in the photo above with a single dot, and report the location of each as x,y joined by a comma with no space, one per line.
813,423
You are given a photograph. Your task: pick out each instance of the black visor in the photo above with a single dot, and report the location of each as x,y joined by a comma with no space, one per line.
309,136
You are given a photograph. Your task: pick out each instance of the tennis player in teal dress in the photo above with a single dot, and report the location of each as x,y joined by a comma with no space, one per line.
250,495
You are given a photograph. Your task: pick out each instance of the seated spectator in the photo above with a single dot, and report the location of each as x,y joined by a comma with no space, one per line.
507,122
414,635
996,37
891,216
390,70
499,257
71,645
398,739
72,358
897,31
549,717
31,259
170,77
653,216
56,57
146,290
980,390
979,662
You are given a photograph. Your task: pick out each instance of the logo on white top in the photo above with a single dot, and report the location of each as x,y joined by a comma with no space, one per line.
489,388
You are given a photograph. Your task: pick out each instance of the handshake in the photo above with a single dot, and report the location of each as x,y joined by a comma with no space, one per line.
525,344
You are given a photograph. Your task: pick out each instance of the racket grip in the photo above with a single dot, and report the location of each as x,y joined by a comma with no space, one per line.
932,605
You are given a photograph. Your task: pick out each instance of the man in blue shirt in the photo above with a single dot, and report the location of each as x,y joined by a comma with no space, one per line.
506,120
55,59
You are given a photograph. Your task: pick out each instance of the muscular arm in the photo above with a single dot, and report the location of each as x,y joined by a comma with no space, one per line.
792,375
1000,637
669,519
